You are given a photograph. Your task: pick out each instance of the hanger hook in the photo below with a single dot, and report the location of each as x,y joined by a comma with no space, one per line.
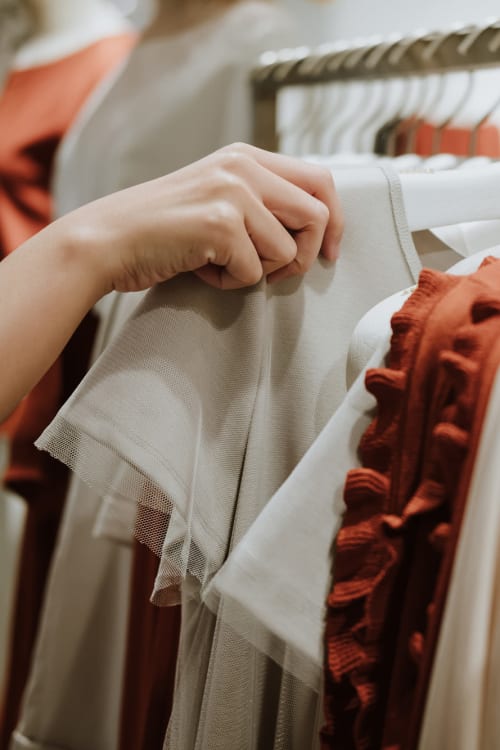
381,50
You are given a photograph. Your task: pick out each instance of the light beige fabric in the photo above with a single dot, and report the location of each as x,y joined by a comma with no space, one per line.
276,579
175,100
12,520
210,399
71,699
275,583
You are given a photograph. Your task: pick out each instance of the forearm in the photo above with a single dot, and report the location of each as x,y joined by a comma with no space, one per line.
46,288
231,218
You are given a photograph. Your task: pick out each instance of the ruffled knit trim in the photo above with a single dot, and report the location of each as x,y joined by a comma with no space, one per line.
371,545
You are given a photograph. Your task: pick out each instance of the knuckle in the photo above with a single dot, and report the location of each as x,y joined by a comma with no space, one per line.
233,159
254,274
339,225
223,218
237,147
302,264
322,213
288,250
226,181
325,177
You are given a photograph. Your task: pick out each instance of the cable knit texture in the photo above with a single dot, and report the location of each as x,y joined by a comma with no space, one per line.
404,506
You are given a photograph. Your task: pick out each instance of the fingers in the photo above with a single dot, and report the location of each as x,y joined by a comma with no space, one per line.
276,247
233,259
305,216
252,214
253,244
311,178
283,206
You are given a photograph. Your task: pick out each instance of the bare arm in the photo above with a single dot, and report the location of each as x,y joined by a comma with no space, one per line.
232,217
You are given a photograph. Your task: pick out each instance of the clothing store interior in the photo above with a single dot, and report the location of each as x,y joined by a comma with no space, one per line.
258,519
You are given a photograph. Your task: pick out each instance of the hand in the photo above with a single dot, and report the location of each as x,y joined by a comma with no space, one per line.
231,217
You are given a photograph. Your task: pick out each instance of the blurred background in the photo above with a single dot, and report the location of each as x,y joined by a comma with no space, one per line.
97,95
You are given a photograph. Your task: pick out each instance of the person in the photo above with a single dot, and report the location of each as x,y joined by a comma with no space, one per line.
232,218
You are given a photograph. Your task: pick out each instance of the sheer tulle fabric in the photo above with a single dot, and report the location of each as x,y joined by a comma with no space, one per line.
198,411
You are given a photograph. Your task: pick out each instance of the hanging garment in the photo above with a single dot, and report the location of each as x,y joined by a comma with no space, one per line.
275,582
230,432
72,695
276,579
285,559
12,519
148,683
36,108
461,703
395,550
192,87
454,140
267,580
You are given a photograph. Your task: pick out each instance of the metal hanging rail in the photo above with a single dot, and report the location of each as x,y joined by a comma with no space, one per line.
465,48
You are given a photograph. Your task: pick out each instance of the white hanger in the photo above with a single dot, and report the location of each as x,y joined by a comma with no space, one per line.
290,107
454,196
352,103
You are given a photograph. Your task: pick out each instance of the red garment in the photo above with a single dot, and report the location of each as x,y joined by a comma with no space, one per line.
395,551
151,657
37,106
458,141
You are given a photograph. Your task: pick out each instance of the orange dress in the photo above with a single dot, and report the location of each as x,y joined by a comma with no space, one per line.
37,106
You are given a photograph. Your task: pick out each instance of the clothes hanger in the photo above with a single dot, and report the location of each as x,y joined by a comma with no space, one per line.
387,97
415,96
290,100
393,94
397,87
440,97
335,97
325,100
493,117
356,91
436,85
293,102
489,106
433,89
482,99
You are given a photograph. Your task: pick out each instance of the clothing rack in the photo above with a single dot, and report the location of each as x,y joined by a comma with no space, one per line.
460,49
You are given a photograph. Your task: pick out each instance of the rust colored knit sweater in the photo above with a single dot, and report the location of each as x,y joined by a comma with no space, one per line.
395,551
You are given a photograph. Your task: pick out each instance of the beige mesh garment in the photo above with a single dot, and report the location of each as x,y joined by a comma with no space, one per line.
209,399
146,120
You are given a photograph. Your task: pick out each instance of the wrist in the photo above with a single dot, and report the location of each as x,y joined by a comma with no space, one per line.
80,257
